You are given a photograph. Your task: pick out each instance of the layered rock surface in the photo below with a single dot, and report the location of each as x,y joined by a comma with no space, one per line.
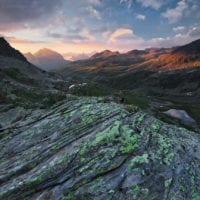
84,148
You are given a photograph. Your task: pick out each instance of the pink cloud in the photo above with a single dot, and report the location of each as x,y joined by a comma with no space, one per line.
120,32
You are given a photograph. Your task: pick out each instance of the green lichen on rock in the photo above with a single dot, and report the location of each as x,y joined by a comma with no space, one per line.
88,149
138,160
69,196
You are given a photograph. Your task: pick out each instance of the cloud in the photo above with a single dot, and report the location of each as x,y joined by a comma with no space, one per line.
95,2
23,41
93,12
76,36
194,32
16,40
105,34
22,11
94,25
155,4
128,2
179,28
175,14
41,14
120,32
87,34
122,39
176,40
25,45
67,37
77,56
140,17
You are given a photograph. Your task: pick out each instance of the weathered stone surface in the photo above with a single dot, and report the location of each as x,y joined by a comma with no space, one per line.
88,149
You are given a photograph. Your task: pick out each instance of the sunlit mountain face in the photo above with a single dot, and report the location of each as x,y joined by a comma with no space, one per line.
77,29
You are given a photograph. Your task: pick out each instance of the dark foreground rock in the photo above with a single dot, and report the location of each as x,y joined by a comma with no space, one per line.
87,149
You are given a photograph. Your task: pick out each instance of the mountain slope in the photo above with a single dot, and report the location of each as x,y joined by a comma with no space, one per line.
7,51
161,71
32,59
192,48
22,83
183,57
47,59
104,54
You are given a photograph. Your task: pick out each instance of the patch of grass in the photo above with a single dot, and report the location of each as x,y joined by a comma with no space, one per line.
92,90
132,108
30,98
17,75
131,98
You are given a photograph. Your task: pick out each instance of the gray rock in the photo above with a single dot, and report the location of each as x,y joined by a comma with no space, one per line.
109,153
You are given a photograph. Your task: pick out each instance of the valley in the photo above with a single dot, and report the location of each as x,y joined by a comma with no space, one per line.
97,132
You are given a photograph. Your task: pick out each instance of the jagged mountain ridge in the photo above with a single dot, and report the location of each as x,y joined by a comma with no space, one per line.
161,71
187,56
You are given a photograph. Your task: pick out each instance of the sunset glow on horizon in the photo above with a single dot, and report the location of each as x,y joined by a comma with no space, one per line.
83,27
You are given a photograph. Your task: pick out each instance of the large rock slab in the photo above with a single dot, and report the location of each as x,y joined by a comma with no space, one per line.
88,149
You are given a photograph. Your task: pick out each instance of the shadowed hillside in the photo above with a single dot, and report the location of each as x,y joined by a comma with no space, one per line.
7,51
23,83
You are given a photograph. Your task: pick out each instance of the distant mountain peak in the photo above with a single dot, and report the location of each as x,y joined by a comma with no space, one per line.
136,52
46,59
105,54
45,52
7,51
28,54
107,51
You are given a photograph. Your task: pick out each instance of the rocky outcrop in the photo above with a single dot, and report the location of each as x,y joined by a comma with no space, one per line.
87,149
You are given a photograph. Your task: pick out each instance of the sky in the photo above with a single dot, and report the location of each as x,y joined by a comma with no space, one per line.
78,28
